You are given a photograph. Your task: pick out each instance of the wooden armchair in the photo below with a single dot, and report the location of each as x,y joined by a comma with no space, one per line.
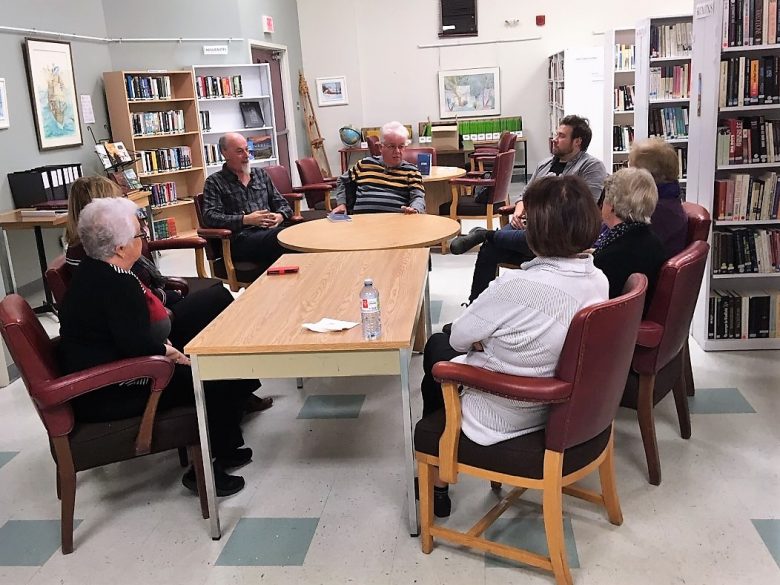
281,179
79,446
487,154
410,154
314,186
583,396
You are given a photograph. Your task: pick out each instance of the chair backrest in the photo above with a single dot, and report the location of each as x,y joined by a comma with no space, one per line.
410,154
596,358
310,173
699,222
374,149
58,277
672,305
502,173
34,354
213,247
506,141
280,177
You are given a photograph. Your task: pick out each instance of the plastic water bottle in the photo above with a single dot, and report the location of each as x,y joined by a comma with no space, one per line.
369,310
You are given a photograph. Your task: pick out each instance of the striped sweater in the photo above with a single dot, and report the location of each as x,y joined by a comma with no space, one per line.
382,189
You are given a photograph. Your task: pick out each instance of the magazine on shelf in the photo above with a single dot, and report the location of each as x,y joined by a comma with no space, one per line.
112,154
252,113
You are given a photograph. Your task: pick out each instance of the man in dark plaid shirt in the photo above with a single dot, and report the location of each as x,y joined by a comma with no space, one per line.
243,199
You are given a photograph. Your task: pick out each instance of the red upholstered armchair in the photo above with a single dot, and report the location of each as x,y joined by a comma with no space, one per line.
657,366
280,177
487,154
314,186
374,148
79,446
410,154
583,396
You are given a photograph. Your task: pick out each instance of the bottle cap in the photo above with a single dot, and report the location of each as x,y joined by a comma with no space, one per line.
368,282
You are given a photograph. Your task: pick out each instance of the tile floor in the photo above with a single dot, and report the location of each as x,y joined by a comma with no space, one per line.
324,501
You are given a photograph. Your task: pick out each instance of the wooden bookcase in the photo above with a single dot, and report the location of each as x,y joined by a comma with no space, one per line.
708,115
224,112
189,181
619,72
646,63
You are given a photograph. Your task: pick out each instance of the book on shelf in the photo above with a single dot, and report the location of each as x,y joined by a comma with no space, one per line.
165,159
260,146
132,179
212,154
205,120
31,213
162,193
750,22
252,114
743,314
748,140
749,81
152,123
670,82
622,138
623,98
745,251
669,122
214,86
671,40
148,87
112,154
742,197
165,228
625,57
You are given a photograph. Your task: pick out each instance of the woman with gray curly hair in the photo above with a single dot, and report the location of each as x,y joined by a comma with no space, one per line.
629,245
105,317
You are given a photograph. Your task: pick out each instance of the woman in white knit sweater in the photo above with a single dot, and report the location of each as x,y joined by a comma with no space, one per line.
519,324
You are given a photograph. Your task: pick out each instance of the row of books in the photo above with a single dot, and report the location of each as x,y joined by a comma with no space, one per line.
622,138
212,86
555,70
165,159
746,251
212,155
669,122
742,197
670,82
205,120
671,40
625,57
743,315
750,22
623,98
750,140
617,165
165,228
150,123
162,193
147,87
682,160
749,82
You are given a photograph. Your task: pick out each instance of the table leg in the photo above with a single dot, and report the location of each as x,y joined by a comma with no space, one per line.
405,358
205,447
48,304
7,251
427,306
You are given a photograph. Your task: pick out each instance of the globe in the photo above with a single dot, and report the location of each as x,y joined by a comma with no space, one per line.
349,136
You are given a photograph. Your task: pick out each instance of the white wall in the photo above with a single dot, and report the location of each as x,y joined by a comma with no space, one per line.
375,45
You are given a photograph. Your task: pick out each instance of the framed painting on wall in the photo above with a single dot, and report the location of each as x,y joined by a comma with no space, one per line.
53,93
469,92
332,91
4,120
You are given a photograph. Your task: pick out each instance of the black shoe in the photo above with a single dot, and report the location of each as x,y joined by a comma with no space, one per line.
447,328
237,458
463,244
257,404
442,505
226,485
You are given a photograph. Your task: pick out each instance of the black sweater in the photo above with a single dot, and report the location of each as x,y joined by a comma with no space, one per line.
103,318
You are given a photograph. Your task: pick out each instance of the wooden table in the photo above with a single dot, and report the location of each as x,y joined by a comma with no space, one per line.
254,338
437,186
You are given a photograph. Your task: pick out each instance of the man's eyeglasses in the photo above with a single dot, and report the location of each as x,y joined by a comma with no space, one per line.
398,147
142,235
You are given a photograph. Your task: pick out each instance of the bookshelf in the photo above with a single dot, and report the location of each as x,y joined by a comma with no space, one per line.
663,83
555,87
724,174
619,74
174,154
223,94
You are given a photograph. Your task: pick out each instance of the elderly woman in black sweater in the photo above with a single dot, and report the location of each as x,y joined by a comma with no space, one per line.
105,317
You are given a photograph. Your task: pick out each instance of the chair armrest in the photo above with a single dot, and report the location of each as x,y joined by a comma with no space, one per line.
483,156
293,196
650,334
176,283
506,210
484,151
194,243
214,233
475,174
473,182
294,219
65,388
516,387
332,180
315,187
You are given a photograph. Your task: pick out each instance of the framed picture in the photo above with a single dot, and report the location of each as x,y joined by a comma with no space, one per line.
4,121
332,91
53,93
469,92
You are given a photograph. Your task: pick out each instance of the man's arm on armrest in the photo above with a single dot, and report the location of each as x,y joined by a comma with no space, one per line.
214,215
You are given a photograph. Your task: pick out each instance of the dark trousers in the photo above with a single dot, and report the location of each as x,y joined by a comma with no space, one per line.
506,246
195,311
437,349
258,245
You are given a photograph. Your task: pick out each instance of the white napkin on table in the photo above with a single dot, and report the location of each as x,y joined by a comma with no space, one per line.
326,325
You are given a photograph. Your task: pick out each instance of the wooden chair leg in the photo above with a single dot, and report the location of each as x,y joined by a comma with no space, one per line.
67,482
183,458
197,465
495,485
687,369
681,402
59,487
552,508
608,485
425,478
647,427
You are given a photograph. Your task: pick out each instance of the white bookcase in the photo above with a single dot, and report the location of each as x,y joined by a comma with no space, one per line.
674,51
707,116
224,113
619,72
555,89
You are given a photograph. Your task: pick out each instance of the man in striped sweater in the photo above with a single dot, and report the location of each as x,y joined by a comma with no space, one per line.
385,183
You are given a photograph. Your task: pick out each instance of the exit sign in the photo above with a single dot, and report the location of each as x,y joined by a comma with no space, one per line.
268,24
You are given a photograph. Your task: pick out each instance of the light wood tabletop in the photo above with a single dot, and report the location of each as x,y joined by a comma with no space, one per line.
375,231
443,174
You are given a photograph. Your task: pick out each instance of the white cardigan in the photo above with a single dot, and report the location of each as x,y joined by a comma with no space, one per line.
521,320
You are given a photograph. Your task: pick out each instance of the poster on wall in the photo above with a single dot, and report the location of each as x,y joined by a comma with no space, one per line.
4,120
53,93
469,92
332,91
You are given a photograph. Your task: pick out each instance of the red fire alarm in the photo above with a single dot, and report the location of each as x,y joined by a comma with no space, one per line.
540,20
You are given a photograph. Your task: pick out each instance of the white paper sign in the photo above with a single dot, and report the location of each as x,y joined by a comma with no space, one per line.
704,9
215,49
87,113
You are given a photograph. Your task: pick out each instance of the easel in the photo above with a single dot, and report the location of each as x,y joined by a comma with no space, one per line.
312,127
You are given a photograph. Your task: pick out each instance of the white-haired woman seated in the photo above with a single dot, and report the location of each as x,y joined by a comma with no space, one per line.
104,317
629,245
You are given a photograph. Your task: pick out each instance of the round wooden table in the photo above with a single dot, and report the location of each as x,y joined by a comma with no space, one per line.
374,231
437,188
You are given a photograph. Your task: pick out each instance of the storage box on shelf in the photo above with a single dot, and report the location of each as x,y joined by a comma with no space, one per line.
619,96
735,158
663,83
156,116
236,98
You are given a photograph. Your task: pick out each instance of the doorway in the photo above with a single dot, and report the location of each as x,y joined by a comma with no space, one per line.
273,57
